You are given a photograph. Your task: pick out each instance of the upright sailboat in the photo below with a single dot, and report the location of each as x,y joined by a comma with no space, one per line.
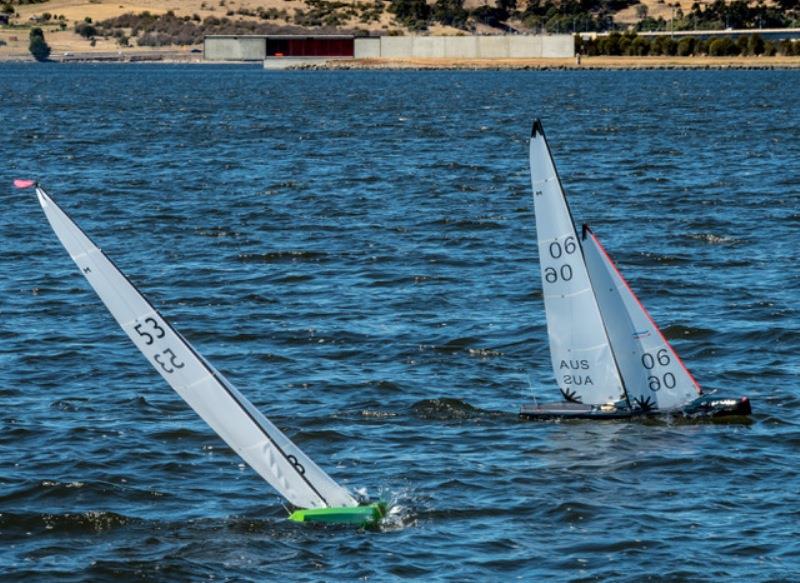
250,434
609,357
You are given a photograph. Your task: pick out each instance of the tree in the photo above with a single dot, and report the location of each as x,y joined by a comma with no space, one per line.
721,47
450,13
685,46
412,13
38,47
755,44
86,30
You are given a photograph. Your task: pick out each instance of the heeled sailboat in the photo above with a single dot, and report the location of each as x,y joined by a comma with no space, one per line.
315,496
610,359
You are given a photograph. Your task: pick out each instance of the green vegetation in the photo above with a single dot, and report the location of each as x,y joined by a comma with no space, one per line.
552,16
146,29
86,29
572,15
413,14
38,47
631,44
450,13
539,15
736,14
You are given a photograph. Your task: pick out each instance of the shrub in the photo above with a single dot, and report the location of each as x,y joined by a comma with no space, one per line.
639,47
451,13
663,45
755,45
612,44
85,29
721,47
412,13
701,46
625,44
741,46
38,47
685,46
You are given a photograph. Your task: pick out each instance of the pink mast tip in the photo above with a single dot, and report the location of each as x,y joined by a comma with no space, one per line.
20,183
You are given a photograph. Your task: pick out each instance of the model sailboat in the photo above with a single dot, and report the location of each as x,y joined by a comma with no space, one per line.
610,358
317,497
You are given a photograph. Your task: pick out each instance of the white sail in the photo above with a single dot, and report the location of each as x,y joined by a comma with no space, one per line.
581,353
263,446
653,372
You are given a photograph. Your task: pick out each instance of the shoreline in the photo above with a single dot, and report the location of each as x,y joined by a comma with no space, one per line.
601,63
587,63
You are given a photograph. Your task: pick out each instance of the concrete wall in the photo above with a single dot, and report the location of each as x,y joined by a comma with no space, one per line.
254,48
466,47
235,48
367,47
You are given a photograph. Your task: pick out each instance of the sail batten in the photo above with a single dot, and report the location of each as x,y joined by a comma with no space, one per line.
248,432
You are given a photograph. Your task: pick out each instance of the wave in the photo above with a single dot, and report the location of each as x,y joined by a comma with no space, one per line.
282,257
446,408
713,239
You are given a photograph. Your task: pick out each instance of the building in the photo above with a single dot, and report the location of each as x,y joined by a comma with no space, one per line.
281,50
260,47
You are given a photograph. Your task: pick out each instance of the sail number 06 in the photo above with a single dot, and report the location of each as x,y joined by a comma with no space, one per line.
557,250
649,362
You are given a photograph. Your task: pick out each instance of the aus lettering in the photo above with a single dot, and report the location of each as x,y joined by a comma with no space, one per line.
574,365
577,380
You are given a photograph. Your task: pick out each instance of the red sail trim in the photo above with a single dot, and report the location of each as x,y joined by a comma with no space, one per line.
646,313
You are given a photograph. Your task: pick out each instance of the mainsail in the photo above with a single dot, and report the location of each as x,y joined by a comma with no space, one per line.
262,445
581,353
653,373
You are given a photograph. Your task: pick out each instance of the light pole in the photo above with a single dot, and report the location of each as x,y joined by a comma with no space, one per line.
672,24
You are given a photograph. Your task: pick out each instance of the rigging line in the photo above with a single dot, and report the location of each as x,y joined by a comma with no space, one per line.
201,360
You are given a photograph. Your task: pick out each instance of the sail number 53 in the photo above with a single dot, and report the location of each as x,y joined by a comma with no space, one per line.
168,367
153,330
558,250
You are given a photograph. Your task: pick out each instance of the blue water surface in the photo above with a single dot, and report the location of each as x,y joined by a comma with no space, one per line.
355,250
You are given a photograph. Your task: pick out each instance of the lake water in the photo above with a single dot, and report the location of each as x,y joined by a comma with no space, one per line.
356,251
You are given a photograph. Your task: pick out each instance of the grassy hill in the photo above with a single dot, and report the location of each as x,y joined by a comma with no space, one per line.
150,25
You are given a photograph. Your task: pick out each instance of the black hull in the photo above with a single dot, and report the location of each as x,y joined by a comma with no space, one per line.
705,407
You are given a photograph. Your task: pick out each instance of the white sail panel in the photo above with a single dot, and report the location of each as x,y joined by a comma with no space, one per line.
653,372
263,446
581,354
